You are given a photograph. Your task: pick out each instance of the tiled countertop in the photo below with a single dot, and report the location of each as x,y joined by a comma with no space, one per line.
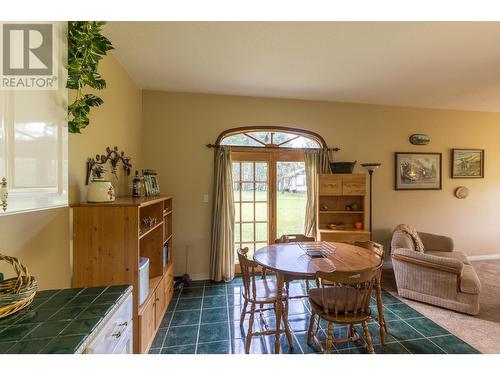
59,321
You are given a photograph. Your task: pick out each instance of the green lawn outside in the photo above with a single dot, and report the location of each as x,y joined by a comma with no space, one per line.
291,210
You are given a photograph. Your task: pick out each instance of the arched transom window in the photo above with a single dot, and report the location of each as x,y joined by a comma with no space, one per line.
271,138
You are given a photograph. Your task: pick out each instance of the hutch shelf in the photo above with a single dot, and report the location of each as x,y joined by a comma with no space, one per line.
342,200
109,239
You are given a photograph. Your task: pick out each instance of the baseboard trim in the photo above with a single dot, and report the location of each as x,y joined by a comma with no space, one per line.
484,257
198,276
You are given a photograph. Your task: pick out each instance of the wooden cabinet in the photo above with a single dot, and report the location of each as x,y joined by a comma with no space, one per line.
109,238
341,200
115,336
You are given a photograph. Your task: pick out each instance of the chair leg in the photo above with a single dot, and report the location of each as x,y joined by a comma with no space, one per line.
368,337
329,338
380,309
243,312
264,272
307,286
250,328
310,330
287,326
351,331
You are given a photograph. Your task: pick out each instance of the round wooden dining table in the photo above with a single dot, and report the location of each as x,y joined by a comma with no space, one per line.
301,260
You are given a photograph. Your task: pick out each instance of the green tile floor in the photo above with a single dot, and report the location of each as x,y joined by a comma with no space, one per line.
204,319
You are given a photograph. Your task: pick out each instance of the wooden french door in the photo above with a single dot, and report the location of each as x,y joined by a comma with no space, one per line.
256,186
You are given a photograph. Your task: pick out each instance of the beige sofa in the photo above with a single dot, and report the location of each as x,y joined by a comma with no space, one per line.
439,276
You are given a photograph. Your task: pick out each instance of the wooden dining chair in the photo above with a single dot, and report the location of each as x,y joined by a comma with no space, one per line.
289,238
260,292
294,238
378,249
342,298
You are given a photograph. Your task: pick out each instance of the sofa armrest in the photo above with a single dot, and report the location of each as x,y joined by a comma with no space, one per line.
434,242
437,263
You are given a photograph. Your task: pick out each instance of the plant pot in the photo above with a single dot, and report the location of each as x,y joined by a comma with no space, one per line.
100,191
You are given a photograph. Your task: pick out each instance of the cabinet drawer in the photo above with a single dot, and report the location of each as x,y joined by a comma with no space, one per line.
112,334
330,184
354,185
348,237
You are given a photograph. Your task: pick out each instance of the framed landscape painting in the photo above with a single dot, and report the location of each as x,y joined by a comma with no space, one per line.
467,163
418,171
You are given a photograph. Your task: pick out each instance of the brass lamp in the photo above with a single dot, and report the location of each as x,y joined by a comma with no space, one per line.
371,167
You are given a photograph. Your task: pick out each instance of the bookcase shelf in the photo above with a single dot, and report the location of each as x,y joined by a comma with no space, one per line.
107,247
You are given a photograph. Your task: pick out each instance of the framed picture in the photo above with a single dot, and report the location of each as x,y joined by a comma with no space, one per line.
467,163
418,171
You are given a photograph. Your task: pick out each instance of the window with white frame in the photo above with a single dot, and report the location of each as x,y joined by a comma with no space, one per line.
33,149
34,142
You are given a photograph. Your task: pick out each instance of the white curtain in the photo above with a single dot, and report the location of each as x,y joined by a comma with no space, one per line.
316,162
222,252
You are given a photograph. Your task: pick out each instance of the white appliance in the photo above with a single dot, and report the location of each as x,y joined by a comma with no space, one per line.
143,279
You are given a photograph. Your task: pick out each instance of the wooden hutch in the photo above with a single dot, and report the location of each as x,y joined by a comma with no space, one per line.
109,239
342,199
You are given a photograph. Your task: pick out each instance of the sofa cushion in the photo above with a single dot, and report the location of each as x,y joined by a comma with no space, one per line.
450,255
418,245
469,282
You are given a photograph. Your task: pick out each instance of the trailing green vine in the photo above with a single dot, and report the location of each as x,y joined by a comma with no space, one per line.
86,47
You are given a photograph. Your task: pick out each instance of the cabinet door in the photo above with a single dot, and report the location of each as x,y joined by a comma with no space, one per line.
169,285
147,326
161,303
330,184
354,184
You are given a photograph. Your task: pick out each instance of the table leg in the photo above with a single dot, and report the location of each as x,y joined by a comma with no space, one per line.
381,318
279,311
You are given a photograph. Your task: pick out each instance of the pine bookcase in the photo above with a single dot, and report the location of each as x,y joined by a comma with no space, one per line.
109,239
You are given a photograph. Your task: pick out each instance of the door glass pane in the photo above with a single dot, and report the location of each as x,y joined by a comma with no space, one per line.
260,171
236,192
260,211
252,206
236,172
261,192
261,231
237,213
247,192
247,171
247,212
247,234
237,233
291,197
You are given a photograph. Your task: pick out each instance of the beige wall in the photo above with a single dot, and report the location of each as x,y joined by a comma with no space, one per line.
41,240
178,126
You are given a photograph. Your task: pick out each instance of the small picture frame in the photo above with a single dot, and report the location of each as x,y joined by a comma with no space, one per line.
467,163
152,187
418,171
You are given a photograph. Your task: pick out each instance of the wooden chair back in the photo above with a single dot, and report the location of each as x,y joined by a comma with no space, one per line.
248,270
347,294
294,238
377,248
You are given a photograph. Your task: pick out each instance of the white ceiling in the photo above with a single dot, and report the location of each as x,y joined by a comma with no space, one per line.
453,65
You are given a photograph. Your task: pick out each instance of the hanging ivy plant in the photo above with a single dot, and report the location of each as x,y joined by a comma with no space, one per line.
86,47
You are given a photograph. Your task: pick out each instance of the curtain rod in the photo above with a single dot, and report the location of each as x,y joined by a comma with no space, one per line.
335,149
